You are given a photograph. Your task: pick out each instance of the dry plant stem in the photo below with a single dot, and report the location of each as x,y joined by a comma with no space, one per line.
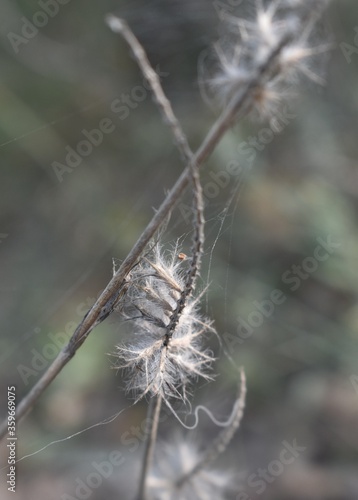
121,27
220,444
215,134
151,437
197,250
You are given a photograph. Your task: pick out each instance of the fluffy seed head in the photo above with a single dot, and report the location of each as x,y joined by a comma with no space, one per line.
155,365
178,458
249,42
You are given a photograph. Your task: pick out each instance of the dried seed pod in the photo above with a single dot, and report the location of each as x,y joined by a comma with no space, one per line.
153,364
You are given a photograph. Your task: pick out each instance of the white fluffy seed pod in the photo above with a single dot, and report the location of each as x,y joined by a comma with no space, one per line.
249,42
153,364
176,459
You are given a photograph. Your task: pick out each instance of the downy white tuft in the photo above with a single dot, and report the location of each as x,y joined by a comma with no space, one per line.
154,364
177,458
249,42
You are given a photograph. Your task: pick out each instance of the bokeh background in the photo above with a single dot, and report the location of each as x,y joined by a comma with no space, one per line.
60,231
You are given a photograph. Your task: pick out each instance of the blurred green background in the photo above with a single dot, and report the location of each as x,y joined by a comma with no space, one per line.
60,229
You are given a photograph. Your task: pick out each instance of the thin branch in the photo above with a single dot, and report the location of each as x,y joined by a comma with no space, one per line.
219,445
151,437
117,283
120,26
